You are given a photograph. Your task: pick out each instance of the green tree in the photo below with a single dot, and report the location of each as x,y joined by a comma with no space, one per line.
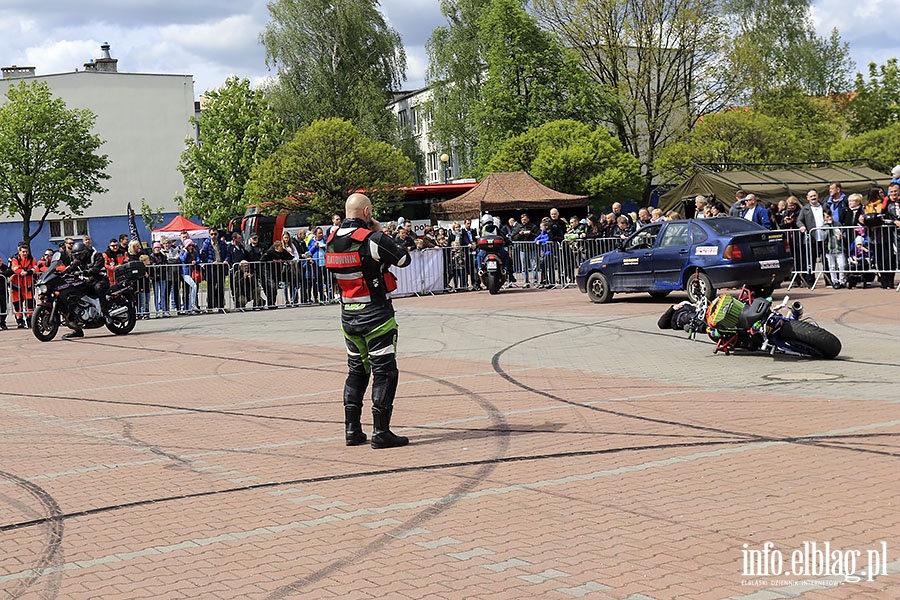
878,145
772,44
722,140
530,79
572,157
455,76
153,217
237,131
816,121
662,60
48,157
323,164
335,58
876,102
782,126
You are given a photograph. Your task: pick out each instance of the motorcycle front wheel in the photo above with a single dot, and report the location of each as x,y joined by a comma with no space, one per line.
43,325
809,339
122,324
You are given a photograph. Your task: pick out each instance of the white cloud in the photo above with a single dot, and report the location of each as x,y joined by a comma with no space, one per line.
416,66
220,36
61,56
414,20
213,39
869,26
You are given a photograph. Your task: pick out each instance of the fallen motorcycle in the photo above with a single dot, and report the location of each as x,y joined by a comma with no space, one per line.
753,324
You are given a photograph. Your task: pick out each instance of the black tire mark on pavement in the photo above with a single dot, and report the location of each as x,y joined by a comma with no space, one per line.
808,440
498,422
486,465
51,555
741,435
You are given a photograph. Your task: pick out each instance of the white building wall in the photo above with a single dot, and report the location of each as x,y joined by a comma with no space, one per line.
410,109
144,119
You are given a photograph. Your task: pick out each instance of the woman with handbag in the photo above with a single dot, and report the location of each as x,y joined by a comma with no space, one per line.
277,260
190,274
873,220
157,272
291,269
316,249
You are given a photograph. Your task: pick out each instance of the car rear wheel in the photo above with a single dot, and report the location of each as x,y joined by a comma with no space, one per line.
598,288
699,286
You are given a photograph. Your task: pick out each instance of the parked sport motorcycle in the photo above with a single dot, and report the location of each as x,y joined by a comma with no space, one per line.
491,268
63,298
755,324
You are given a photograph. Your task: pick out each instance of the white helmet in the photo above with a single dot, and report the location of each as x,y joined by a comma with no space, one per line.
486,218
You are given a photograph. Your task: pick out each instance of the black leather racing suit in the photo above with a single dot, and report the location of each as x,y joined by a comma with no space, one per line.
94,273
359,259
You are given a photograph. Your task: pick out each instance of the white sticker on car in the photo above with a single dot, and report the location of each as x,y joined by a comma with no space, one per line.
768,264
706,250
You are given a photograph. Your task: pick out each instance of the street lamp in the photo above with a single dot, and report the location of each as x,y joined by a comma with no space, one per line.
445,159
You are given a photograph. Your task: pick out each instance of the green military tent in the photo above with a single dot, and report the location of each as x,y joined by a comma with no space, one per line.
771,186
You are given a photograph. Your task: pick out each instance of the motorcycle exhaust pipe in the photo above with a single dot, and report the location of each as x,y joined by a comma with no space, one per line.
120,310
796,310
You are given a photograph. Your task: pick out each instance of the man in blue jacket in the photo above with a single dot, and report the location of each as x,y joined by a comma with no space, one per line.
215,260
756,213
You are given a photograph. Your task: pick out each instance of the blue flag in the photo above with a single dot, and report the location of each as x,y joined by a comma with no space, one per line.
132,225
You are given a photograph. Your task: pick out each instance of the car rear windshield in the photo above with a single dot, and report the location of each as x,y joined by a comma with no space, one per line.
726,225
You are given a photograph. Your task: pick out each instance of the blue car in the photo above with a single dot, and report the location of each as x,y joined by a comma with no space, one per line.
698,256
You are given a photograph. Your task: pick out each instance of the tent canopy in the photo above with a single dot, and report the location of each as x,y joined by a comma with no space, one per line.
505,191
772,186
176,226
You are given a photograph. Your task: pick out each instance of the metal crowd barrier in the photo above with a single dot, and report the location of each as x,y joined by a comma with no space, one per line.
844,256
224,287
828,256
447,269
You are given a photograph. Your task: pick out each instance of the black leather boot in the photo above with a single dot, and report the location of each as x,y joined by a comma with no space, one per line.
383,437
355,435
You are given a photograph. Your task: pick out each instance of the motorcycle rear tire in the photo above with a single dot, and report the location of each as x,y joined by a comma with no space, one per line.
806,338
123,324
494,282
43,326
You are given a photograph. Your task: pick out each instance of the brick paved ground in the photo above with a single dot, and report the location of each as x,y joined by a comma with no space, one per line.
559,450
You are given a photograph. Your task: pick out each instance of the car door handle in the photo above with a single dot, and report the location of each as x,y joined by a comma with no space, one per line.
684,251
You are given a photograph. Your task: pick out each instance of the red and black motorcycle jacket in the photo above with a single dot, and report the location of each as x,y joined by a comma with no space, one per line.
359,259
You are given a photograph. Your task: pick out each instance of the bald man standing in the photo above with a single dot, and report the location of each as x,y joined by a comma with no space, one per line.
359,255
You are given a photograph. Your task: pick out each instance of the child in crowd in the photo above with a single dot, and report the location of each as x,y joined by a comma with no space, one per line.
834,252
458,265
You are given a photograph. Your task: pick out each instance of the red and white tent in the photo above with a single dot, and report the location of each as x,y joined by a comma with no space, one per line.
173,229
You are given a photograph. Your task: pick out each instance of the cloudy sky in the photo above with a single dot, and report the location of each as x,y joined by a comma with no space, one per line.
213,39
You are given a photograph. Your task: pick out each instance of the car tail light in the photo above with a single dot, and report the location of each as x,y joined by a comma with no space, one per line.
732,252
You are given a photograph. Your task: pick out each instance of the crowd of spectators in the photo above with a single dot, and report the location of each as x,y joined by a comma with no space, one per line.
853,237
544,252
